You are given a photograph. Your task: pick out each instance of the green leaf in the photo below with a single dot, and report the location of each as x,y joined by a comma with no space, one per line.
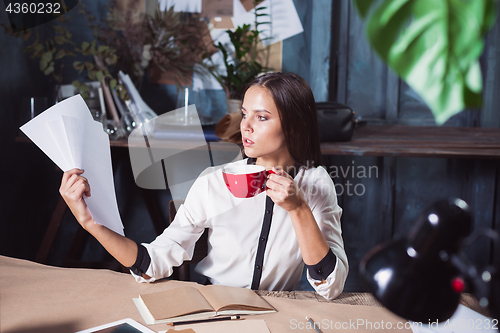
47,56
43,65
88,65
434,45
85,94
93,50
78,65
57,77
102,48
49,43
46,67
86,48
123,94
60,54
112,60
112,84
363,6
99,75
59,39
77,84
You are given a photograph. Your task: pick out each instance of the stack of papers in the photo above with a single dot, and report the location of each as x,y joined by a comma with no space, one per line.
71,138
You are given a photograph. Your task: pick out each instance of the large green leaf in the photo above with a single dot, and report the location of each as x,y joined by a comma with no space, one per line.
434,45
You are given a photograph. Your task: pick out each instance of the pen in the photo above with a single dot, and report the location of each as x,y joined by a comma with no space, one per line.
314,325
203,320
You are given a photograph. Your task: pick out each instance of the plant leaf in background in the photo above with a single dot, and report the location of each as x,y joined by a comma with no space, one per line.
434,45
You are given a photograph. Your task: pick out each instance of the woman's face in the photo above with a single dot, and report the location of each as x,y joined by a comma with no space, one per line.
261,126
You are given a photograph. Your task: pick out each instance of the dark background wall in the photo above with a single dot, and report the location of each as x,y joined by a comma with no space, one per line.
405,186
333,56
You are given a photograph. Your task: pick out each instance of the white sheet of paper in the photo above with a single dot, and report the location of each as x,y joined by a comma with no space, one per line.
464,320
56,129
285,21
240,326
77,139
69,136
191,6
36,129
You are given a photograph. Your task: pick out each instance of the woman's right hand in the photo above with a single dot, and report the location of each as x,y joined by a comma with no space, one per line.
73,187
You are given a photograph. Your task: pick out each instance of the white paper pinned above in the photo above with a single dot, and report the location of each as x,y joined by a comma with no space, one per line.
285,21
190,6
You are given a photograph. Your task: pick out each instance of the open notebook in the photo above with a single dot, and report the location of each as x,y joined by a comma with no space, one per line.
190,303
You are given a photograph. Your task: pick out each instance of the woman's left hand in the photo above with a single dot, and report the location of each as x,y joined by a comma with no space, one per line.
284,191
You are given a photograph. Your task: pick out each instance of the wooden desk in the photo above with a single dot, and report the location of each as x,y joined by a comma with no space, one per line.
39,298
419,141
359,298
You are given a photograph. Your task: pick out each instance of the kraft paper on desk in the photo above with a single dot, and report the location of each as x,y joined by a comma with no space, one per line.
241,326
71,138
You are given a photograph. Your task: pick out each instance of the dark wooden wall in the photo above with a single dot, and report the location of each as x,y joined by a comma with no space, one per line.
387,204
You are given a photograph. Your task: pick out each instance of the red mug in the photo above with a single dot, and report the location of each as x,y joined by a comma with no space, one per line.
245,181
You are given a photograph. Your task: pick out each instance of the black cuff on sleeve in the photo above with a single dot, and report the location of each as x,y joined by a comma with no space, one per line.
325,267
142,262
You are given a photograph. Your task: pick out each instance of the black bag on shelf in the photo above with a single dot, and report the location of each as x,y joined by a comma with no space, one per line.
336,122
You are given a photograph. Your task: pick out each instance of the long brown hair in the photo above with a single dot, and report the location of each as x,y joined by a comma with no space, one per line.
297,110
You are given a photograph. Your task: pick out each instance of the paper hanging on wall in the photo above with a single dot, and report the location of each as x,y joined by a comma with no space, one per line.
217,8
69,136
222,23
250,4
285,21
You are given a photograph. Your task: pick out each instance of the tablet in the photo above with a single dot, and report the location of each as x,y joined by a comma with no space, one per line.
121,326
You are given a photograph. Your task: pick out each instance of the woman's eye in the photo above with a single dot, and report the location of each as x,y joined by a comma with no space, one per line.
262,118
243,115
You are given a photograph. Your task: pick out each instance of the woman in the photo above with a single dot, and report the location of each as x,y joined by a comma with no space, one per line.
261,242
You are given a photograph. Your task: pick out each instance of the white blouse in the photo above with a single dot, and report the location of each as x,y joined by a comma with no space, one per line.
234,229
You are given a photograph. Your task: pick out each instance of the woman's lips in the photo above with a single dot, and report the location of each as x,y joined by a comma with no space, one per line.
247,142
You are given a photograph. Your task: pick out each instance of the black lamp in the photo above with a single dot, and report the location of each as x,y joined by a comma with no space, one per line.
421,276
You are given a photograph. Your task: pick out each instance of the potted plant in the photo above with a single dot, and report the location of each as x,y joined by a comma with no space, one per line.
242,66
128,41
167,43
52,53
